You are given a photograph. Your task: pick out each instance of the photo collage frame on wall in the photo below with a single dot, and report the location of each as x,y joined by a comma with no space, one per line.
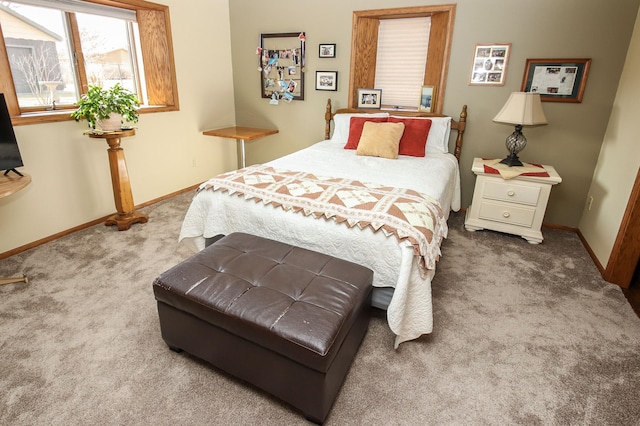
281,66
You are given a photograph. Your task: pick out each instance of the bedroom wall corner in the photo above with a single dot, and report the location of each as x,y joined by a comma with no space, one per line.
618,161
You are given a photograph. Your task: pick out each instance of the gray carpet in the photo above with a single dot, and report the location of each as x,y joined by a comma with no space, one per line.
524,334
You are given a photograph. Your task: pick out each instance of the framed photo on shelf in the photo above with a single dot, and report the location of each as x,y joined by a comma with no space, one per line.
369,98
489,66
557,80
327,50
327,80
427,98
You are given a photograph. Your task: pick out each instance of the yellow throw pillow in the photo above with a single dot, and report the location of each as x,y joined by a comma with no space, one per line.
380,139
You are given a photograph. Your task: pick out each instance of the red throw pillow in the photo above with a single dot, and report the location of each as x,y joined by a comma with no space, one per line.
355,129
414,138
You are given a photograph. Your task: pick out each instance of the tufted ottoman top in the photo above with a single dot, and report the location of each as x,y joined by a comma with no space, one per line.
293,301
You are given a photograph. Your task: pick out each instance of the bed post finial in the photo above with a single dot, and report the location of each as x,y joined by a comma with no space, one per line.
327,120
462,123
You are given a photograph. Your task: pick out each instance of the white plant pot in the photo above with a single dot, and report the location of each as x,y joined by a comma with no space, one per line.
113,123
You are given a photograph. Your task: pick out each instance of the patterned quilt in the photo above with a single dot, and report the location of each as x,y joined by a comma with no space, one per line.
403,213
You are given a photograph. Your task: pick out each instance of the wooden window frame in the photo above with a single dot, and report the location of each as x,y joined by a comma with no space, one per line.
365,34
156,47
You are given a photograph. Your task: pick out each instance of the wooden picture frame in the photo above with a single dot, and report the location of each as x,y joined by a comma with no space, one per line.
327,80
557,80
327,50
369,98
489,66
427,98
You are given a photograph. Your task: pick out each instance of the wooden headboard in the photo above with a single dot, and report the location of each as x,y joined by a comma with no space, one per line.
457,125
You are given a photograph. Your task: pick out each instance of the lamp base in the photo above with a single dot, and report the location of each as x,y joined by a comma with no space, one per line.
511,160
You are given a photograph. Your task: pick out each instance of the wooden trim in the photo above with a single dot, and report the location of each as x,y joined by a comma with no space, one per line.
65,115
591,253
560,227
439,52
626,249
76,45
61,234
405,12
363,56
157,53
130,4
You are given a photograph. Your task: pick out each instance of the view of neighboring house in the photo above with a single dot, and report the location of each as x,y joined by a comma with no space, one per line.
32,52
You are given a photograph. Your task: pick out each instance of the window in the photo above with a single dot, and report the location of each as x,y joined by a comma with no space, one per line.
401,60
365,65
55,49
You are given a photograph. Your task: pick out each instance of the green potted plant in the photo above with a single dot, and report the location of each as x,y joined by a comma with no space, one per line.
99,105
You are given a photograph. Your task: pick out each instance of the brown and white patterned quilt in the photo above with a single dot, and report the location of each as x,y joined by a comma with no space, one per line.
403,213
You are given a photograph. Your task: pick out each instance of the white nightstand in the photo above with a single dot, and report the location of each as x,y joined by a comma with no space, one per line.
515,206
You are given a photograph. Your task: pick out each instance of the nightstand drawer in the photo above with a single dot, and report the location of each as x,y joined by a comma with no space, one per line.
511,193
507,213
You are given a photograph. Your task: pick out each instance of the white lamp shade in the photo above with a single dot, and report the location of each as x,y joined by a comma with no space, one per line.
524,108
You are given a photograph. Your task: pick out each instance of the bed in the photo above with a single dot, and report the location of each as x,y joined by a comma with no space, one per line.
386,213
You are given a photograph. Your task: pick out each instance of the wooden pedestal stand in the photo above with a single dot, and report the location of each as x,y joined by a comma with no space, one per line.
126,215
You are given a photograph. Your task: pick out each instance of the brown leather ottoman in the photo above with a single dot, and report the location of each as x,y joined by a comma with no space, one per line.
283,318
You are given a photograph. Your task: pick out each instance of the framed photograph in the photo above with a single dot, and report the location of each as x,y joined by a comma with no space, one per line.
489,66
327,80
327,50
427,98
369,98
557,80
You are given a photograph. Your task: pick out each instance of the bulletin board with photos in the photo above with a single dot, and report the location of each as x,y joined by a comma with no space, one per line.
489,66
281,65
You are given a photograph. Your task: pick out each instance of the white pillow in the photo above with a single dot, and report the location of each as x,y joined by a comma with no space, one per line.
341,125
438,139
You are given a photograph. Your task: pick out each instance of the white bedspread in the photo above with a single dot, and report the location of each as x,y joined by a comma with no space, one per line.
394,264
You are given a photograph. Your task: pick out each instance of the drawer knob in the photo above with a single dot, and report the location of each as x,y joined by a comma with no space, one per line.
506,214
511,193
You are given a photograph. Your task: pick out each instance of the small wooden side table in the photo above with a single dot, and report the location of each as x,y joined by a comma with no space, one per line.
126,215
10,184
241,134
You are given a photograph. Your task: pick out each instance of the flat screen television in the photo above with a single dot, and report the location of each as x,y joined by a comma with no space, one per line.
10,157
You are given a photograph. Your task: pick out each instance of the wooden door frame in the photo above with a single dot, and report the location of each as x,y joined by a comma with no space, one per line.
626,249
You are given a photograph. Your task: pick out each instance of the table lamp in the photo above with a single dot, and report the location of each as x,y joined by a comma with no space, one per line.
521,109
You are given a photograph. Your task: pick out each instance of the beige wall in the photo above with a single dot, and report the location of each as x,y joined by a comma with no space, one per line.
537,29
71,183
618,161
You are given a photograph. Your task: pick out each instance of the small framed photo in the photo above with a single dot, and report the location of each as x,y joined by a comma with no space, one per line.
369,98
557,80
327,50
327,80
489,67
427,98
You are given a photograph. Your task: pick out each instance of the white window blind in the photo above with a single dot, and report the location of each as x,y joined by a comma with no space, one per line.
401,60
83,7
